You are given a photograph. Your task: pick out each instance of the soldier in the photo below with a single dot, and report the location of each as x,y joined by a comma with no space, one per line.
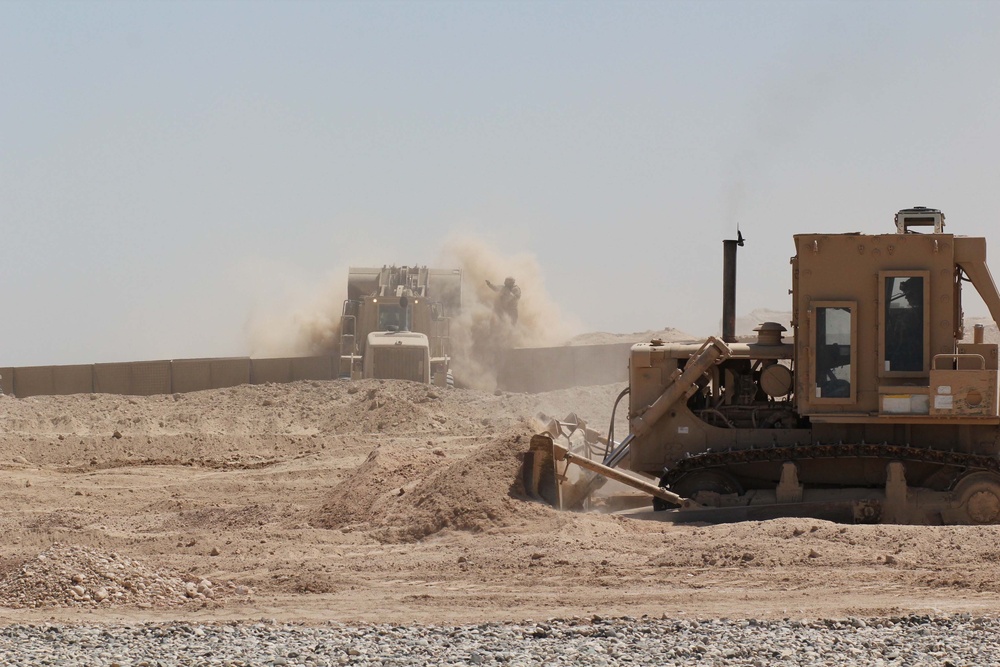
904,336
507,298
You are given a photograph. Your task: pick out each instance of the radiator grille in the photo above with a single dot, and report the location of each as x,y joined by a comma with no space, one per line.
399,363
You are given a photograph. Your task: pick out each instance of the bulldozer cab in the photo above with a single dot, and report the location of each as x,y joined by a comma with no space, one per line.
393,317
884,338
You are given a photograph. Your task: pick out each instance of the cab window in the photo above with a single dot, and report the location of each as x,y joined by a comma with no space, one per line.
834,352
391,317
904,323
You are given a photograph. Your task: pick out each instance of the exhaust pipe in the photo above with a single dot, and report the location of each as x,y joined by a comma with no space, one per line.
729,287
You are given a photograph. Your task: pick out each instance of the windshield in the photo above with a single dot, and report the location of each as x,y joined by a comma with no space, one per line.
391,317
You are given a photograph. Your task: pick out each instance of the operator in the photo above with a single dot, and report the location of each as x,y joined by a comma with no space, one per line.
507,297
904,340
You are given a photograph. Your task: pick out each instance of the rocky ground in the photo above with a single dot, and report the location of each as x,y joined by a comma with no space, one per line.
142,529
907,640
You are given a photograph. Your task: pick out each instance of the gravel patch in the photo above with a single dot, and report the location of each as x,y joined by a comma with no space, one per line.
910,640
75,576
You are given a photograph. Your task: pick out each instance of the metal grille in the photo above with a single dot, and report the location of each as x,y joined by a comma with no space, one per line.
399,363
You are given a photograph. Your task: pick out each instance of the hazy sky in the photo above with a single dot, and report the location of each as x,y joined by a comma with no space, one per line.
171,171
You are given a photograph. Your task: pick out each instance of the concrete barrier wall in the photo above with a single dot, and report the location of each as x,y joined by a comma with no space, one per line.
138,378
190,375
200,374
53,380
602,364
147,378
530,370
229,372
263,371
534,370
313,368
291,369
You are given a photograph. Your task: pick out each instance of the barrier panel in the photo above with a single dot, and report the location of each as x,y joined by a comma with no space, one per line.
148,378
7,381
137,378
291,369
312,368
263,371
534,370
601,364
200,374
53,380
230,372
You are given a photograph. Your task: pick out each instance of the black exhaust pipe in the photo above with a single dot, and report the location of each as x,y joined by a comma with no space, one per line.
729,287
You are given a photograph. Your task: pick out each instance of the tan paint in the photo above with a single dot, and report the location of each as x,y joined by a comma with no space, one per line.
876,323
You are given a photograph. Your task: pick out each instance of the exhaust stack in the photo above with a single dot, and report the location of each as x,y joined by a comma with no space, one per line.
729,248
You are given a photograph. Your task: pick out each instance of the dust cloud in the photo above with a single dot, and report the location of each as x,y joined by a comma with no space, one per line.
303,321
479,335
306,320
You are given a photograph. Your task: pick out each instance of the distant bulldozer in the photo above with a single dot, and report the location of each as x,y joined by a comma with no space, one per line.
396,323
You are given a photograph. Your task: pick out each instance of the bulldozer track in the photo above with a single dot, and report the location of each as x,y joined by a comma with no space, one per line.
793,453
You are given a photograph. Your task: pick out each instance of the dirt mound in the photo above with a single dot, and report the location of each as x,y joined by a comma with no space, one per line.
475,493
74,576
375,406
406,495
374,488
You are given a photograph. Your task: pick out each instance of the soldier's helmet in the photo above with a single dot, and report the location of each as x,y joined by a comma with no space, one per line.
912,289
508,282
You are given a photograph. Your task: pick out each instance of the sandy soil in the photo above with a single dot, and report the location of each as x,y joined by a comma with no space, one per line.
395,502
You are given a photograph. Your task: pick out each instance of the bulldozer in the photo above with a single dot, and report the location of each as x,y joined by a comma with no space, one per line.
876,408
396,323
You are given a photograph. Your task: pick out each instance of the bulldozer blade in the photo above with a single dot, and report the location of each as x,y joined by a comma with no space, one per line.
547,478
539,470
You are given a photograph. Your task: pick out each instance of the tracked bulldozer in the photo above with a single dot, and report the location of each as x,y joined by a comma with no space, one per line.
876,409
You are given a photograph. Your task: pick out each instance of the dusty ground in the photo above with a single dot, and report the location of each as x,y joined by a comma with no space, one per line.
389,501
